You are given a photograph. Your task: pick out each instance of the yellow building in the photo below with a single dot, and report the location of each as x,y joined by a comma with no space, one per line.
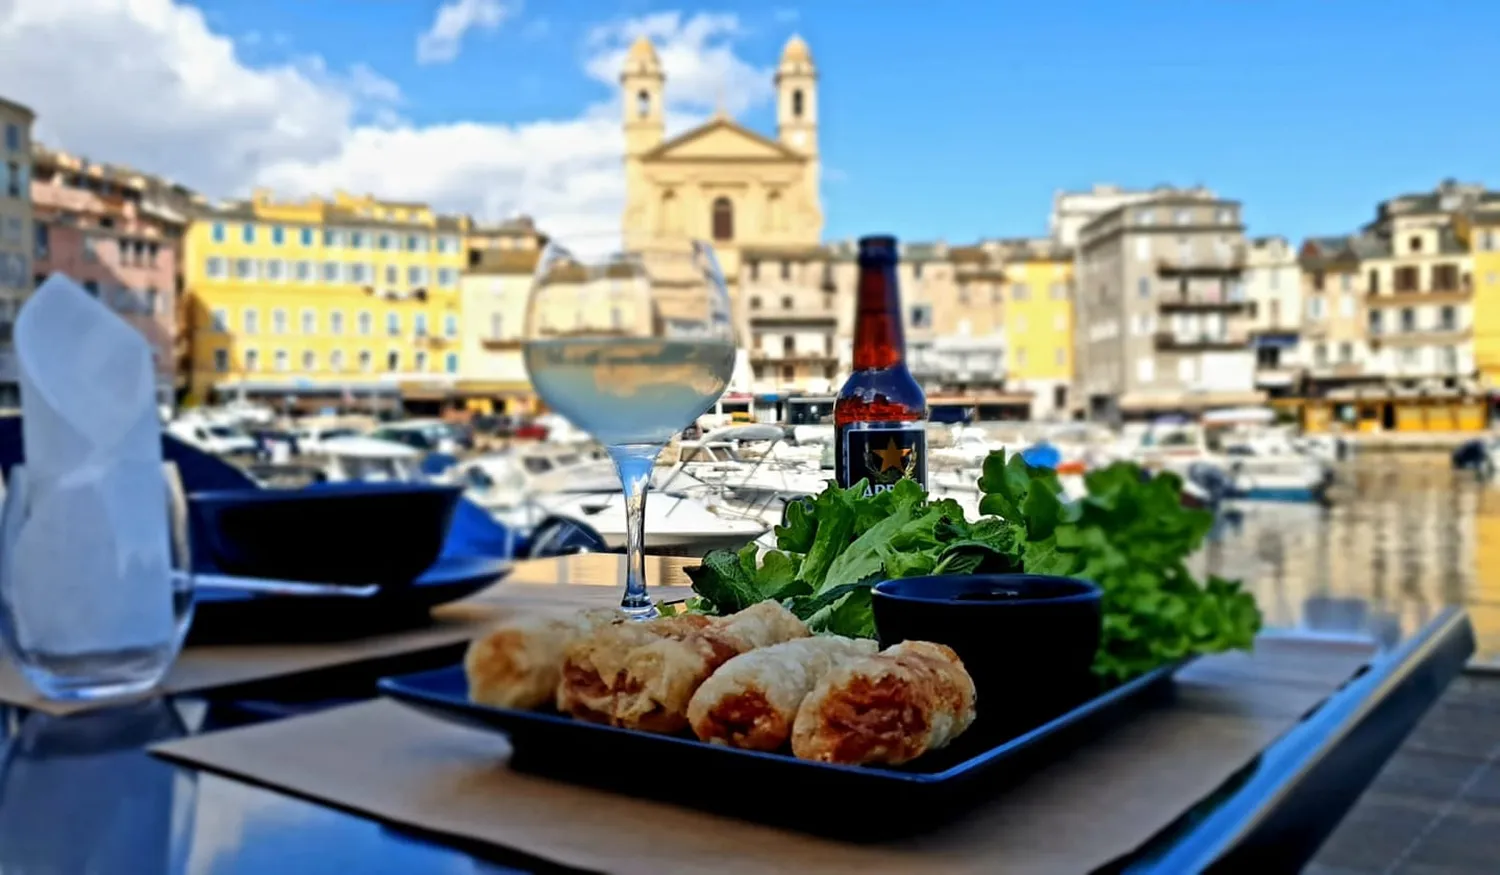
1481,230
1038,323
347,301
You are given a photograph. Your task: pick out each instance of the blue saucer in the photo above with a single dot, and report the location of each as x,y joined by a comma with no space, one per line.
222,616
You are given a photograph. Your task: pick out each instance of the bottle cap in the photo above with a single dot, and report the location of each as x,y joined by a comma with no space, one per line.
878,248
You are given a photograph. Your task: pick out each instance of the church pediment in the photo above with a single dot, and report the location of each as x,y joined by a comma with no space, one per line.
722,140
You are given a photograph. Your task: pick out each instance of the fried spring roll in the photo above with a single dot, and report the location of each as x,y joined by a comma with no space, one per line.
662,676
888,708
594,665
518,663
752,700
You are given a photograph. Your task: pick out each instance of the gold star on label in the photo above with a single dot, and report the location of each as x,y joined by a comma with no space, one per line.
893,456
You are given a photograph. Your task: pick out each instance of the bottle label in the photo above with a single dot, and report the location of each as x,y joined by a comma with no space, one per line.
883,453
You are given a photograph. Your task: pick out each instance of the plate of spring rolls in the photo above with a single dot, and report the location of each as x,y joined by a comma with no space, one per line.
749,713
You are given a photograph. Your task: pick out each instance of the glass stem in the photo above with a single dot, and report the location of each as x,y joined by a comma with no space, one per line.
634,463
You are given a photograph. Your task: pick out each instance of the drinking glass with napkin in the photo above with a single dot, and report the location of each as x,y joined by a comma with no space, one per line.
90,602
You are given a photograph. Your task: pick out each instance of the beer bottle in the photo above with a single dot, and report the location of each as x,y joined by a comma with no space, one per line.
879,416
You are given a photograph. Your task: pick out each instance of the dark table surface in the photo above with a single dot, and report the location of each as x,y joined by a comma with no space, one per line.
79,794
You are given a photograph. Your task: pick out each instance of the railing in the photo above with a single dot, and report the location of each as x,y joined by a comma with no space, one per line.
1172,340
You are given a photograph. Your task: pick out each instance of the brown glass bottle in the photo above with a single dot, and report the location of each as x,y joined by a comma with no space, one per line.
880,414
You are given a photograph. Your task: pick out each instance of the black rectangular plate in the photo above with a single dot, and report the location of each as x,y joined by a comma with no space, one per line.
853,802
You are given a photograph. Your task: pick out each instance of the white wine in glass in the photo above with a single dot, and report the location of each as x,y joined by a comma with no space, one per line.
631,347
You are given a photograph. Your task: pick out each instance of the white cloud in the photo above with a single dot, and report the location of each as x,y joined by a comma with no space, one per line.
440,42
223,126
697,56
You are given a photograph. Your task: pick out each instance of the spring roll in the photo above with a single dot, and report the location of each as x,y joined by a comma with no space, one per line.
752,700
888,708
518,663
594,664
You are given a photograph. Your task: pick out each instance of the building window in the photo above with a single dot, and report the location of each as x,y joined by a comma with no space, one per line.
1315,308
1377,320
786,302
419,361
221,360
330,271
788,346
921,316
251,318
1408,319
244,268
309,322
723,219
497,324
1058,291
450,363
366,323
393,324
304,271
797,103
356,240
419,324
392,275
42,239
359,274
1020,292
151,300
332,238
786,267
642,103
416,243
336,322
213,267
278,235
278,321
916,269
1406,279
1448,318
365,360
1145,369
306,236
393,361
275,270
447,245
12,137
447,277
754,269
309,361
755,302
218,320
416,276
1182,217
1414,243
1374,281
279,360
1318,280
13,179
1449,358
336,361
1146,217
383,242
1346,353
247,234
450,326
1445,278
1143,288
252,360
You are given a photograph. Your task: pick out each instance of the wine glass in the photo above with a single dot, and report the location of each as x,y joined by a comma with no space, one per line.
631,345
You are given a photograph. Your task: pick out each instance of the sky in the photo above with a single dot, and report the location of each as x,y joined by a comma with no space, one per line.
950,120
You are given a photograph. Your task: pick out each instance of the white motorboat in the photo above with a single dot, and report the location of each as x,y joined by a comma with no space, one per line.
1257,465
771,472
359,458
526,484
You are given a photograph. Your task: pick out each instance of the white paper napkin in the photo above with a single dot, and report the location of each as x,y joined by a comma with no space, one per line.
90,565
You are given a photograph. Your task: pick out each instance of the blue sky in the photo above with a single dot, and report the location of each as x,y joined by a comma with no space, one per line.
961,120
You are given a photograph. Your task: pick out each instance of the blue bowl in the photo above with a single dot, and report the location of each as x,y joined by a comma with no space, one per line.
354,533
1024,638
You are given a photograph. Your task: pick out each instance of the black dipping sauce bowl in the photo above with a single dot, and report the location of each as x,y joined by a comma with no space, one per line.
1026,639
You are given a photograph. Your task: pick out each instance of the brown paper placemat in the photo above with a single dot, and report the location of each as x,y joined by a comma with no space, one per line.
551,584
1100,801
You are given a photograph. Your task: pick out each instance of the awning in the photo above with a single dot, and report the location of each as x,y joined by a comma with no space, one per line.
493,387
1274,341
991,398
1140,401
